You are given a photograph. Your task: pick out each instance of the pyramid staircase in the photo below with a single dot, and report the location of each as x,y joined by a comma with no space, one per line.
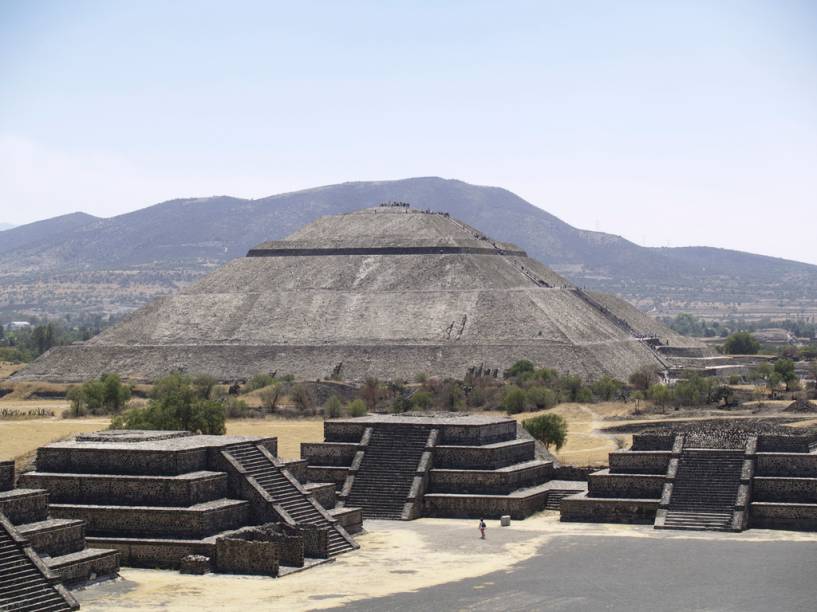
286,491
555,497
26,584
390,462
705,490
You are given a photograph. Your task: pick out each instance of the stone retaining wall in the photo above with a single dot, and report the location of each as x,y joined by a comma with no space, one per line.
490,457
328,453
785,464
488,482
639,462
637,486
154,553
24,506
783,516
782,489
6,475
131,462
235,556
134,490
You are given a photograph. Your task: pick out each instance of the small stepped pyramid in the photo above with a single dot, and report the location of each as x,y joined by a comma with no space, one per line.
386,474
705,490
26,585
284,491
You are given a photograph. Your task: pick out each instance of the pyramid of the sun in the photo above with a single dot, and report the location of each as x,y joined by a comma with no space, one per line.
388,292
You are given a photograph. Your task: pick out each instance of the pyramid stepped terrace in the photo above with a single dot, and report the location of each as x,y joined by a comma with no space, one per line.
388,291
709,478
455,466
159,498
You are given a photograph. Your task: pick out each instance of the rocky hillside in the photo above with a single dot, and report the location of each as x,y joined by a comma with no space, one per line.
82,263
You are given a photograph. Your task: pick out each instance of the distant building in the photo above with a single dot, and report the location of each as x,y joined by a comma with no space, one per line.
15,325
774,336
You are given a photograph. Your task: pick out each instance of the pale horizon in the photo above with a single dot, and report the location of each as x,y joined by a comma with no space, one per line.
688,125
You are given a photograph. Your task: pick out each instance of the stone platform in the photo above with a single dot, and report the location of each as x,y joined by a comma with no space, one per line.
157,496
448,465
712,478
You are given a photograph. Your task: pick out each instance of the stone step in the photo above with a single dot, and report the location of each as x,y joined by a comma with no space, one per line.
24,505
84,565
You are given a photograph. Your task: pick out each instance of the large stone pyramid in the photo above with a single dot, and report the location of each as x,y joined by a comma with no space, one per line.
389,292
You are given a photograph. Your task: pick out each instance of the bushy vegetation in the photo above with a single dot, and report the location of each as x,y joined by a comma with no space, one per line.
690,325
176,403
549,429
28,343
106,395
741,343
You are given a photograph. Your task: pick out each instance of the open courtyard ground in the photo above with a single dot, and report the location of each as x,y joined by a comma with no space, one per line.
540,563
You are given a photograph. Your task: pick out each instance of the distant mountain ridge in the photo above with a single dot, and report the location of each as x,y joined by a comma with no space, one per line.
186,237
5,226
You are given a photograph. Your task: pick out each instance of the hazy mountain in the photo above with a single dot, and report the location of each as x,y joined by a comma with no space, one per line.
182,238
5,226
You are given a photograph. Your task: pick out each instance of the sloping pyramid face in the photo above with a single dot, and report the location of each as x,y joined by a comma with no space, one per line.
387,292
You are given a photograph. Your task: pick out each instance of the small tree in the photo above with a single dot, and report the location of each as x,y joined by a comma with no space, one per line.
741,343
785,367
606,388
269,397
302,398
549,429
370,392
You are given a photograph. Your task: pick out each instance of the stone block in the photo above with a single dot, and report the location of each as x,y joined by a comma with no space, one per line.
505,520
238,556
197,565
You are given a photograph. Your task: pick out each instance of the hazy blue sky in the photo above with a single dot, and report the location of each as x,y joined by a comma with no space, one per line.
668,123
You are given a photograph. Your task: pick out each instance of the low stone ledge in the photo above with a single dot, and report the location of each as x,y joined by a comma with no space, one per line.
6,475
772,515
158,553
296,467
351,519
581,508
84,565
519,504
323,492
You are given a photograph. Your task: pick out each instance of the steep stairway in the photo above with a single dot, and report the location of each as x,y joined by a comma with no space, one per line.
298,504
705,490
387,471
25,586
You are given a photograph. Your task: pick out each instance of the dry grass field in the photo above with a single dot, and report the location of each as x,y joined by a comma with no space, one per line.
290,433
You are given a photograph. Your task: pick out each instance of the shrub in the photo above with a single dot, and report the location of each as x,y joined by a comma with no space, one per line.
584,395
370,392
356,408
269,397
451,396
660,394
421,400
741,343
421,377
107,395
235,408
514,400
571,385
549,429
332,408
541,397
606,388
401,404
259,381
302,398
520,367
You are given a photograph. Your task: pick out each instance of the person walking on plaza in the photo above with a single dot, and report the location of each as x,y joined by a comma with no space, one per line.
481,529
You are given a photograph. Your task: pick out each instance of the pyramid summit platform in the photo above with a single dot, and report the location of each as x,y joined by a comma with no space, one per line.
388,291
